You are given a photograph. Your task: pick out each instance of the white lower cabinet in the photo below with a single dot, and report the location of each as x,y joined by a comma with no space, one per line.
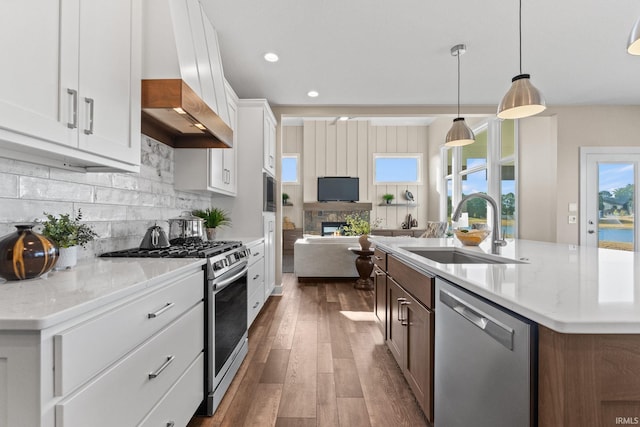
136,383
137,359
255,280
269,223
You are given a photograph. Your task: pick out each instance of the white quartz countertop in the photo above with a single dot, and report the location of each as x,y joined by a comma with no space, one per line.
567,288
62,295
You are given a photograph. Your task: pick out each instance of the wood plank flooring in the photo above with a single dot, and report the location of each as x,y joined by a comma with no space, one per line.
317,359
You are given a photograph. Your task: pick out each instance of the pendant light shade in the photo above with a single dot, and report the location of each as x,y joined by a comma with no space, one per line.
634,39
522,99
459,134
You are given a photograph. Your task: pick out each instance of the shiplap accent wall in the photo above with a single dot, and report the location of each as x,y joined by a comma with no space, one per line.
347,149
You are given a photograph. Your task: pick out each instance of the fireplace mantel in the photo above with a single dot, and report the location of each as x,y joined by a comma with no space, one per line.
337,206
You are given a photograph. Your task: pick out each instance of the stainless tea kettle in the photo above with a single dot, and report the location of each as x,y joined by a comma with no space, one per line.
154,238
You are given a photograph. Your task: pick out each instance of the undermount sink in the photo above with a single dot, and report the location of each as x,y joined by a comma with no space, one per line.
455,256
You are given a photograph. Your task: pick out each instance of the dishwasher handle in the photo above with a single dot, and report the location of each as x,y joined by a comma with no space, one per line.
495,329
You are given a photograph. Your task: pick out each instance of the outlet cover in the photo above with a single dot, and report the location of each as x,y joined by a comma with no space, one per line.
573,219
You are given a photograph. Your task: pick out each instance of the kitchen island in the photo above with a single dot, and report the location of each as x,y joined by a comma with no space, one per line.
111,342
586,304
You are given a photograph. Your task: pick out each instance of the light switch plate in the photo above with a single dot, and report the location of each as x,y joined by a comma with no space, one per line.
573,207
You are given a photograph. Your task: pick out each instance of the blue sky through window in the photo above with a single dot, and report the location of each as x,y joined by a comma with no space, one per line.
396,169
289,169
614,175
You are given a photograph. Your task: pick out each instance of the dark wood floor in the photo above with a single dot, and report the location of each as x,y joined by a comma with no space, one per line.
317,358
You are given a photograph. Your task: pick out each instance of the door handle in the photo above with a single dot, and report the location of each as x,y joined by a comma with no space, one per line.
74,109
400,301
89,130
590,231
405,321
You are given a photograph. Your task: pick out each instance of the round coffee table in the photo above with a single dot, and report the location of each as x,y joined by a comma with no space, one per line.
364,265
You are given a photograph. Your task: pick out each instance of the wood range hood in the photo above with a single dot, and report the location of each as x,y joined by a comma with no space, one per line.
174,114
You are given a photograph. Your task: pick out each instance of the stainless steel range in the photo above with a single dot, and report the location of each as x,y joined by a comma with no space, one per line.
226,334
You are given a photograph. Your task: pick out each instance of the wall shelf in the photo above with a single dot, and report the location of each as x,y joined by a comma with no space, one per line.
410,205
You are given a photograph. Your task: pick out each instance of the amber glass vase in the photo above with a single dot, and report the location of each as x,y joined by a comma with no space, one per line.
26,254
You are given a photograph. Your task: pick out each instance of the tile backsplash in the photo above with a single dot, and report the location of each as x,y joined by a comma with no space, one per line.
119,206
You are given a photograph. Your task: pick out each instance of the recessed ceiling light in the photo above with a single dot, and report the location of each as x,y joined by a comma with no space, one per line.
271,57
312,93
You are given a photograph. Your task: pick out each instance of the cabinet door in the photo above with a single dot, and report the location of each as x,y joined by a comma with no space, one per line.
269,145
269,223
229,154
395,329
418,359
380,300
29,94
109,80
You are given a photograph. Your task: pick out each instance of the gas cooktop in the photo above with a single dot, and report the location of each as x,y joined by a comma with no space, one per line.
179,249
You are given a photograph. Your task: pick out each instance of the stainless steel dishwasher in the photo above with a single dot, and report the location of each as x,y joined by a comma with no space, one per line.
485,362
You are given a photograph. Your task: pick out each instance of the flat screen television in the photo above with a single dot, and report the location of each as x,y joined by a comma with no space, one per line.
338,189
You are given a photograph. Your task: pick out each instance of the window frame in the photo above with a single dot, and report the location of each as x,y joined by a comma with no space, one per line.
495,161
419,172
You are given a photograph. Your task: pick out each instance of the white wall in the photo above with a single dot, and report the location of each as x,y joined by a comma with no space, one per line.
119,206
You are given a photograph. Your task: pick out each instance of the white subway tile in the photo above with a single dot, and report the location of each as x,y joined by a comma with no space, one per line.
20,211
103,179
23,168
8,185
39,189
99,212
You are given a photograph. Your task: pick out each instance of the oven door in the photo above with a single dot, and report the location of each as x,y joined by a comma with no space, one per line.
227,322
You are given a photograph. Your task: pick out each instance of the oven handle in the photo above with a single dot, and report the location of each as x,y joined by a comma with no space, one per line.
227,282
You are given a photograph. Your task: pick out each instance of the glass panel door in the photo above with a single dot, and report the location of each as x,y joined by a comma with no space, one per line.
609,191
616,208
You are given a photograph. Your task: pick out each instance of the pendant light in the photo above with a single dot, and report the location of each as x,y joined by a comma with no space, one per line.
523,99
634,39
459,134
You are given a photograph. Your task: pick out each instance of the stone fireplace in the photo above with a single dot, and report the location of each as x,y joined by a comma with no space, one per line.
331,212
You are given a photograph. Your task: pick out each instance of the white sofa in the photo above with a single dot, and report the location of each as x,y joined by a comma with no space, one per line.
325,256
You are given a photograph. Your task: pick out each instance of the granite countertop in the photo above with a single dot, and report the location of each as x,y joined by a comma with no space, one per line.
567,288
61,295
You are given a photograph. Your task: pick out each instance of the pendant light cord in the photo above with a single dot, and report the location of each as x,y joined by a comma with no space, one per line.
520,32
458,55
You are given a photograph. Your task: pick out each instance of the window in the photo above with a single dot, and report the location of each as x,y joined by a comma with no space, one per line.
397,168
289,173
486,166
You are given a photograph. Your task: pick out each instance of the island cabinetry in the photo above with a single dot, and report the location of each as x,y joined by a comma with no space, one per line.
410,328
74,100
380,289
256,280
136,358
588,379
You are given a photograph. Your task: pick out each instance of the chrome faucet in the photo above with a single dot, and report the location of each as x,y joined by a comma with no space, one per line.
496,241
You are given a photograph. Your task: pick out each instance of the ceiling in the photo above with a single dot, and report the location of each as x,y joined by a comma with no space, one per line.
397,52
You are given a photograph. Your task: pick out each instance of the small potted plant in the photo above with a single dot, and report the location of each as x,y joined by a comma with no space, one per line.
388,198
213,218
358,226
67,234
285,199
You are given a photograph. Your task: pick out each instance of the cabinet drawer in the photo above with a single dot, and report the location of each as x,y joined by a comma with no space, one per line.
255,303
180,403
418,284
86,349
123,394
255,276
380,259
257,253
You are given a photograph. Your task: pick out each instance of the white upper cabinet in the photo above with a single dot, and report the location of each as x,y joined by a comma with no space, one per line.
269,143
71,96
212,169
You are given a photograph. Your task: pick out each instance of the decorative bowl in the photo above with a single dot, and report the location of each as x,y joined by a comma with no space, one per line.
472,237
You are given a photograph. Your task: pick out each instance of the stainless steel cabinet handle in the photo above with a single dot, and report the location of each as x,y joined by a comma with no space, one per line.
255,277
379,273
256,304
400,301
404,321
89,130
167,362
166,307
492,327
256,254
171,424
378,258
74,109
